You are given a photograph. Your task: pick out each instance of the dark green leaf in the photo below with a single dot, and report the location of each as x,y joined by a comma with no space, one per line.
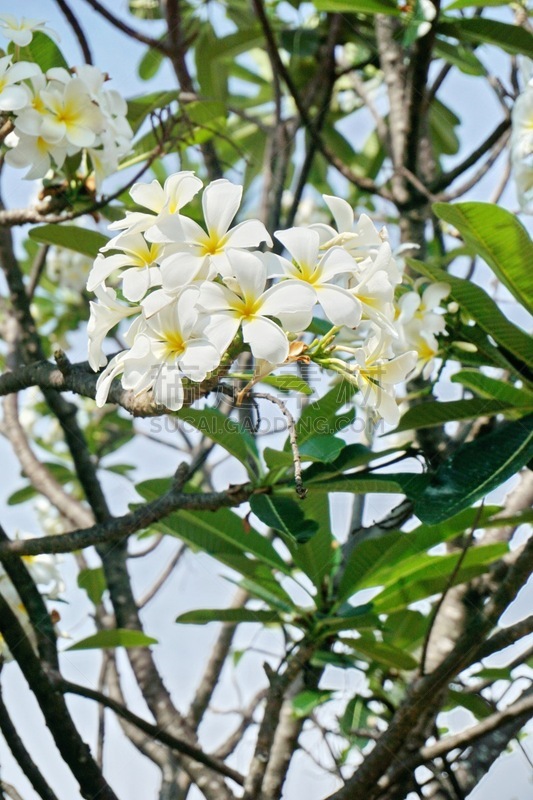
121,637
511,38
381,652
475,469
93,582
72,237
324,449
284,515
224,432
222,534
500,239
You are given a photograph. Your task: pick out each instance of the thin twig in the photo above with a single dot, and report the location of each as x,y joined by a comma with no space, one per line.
301,491
77,29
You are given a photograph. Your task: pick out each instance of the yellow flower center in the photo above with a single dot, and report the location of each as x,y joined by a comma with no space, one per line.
212,245
174,343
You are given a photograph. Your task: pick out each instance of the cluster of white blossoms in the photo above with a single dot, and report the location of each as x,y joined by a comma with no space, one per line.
59,114
522,142
200,295
44,571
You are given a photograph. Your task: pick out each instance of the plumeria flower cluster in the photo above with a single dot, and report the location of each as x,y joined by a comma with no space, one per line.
58,114
522,142
45,572
195,296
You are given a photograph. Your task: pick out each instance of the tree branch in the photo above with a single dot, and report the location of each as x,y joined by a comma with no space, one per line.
118,528
78,30
129,31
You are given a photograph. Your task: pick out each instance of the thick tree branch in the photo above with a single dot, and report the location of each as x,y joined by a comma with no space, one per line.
21,755
118,528
74,751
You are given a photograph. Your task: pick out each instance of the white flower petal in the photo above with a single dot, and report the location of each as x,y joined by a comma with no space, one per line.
301,243
341,211
220,202
266,339
340,307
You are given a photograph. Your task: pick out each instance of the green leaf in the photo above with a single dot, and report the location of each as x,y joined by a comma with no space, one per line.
356,716
316,558
352,455
71,237
490,387
150,64
288,383
427,415
93,582
349,618
459,4
385,559
405,629
232,615
459,56
381,652
284,515
43,50
511,38
321,416
443,123
475,469
433,574
411,484
475,703
142,106
120,637
500,239
324,449
482,308
212,73
224,432
22,495
222,534
370,7
305,702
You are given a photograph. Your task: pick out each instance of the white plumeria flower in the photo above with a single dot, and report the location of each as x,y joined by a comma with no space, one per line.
14,96
68,268
70,115
33,152
161,201
412,306
220,202
245,303
376,375
20,32
361,240
138,261
373,288
418,323
522,147
105,314
339,305
167,348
